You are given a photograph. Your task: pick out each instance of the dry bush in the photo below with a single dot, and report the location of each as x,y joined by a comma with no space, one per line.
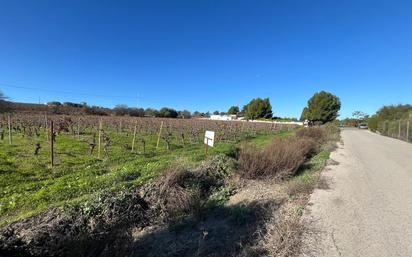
317,134
283,232
280,159
333,136
97,228
182,192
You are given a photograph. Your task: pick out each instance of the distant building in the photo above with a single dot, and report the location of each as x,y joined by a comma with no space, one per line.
223,117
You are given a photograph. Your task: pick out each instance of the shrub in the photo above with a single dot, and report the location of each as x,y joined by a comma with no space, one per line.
280,159
182,192
315,133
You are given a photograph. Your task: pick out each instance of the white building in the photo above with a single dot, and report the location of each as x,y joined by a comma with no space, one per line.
223,117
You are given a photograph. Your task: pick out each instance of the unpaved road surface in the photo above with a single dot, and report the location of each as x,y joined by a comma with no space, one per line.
363,206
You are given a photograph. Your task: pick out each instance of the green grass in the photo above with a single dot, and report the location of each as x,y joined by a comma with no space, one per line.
309,173
29,185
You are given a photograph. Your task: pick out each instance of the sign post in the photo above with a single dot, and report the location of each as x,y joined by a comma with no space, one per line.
209,141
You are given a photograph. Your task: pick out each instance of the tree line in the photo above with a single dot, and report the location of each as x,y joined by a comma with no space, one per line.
321,108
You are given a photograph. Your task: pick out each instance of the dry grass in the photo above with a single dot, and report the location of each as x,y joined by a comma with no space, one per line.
317,134
280,159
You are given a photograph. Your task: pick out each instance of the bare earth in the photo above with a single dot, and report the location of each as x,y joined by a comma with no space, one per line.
363,206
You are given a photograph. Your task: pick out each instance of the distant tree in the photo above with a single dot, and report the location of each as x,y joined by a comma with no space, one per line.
389,113
70,104
234,110
168,112
185,114
2,96
120,110
216,112
150,112
95,110
359,115
136,112
322,107
3,103
54,103
258,108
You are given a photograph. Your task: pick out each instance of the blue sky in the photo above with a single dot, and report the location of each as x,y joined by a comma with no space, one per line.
207,55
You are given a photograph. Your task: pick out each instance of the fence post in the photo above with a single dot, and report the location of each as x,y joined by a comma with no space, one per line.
10,137
407,131
399,132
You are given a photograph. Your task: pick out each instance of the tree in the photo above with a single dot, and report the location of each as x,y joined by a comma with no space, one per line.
361,116
168,112
322,107
151,112
258,108
185,114
2,96
234,110
3,103
120,110
216,112
305,114
136,112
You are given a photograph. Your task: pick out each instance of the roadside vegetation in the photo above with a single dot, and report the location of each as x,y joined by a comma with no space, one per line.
230,205
134,186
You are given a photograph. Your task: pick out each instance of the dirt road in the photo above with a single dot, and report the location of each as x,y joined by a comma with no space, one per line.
363,206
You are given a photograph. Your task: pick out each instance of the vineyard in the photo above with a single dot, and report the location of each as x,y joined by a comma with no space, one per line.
48,160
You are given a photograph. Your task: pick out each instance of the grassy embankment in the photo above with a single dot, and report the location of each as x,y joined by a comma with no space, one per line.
28,185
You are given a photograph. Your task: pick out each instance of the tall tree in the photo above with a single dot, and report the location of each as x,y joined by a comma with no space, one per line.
322,107
234,110
258,108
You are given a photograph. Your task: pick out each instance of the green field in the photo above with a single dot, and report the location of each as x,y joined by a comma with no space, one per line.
30,185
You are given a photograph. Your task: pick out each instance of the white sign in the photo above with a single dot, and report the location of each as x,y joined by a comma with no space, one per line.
209,138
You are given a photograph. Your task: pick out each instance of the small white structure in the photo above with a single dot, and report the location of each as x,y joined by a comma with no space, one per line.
223,117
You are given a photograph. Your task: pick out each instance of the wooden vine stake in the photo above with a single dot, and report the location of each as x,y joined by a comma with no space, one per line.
100,139
134,136
51,144
158,136
78,129
10,137
46,127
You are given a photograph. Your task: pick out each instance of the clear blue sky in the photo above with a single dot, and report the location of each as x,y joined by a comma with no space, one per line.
207,55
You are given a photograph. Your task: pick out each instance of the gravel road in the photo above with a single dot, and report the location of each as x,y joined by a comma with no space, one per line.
363,206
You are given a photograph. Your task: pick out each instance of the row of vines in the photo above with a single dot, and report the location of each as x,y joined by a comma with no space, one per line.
99,136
